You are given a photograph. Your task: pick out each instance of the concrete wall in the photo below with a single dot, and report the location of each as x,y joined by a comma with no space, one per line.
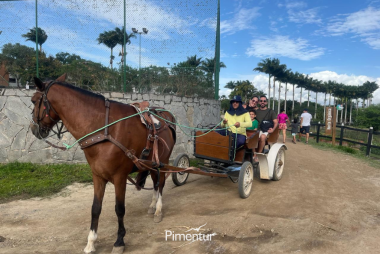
17,143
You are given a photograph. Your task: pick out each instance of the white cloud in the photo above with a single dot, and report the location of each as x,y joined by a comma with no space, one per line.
241,21
309,16
284,46
364,23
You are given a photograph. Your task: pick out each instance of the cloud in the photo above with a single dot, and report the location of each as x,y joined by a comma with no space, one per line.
284,46
241,21
260,81
309,16
364,23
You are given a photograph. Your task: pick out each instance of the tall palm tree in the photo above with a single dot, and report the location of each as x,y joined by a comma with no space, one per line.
208,66
120,39
110,39
193,61
294,79
266,66
31,36
285,78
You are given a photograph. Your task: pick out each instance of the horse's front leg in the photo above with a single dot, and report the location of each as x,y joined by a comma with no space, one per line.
120,187
99,188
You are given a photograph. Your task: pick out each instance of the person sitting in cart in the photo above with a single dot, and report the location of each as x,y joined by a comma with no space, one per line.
267,121
237,119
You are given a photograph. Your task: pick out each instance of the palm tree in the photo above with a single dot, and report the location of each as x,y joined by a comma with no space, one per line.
120,39
31,36
208,66
285,78
110,39
294,79
266,66
193,61
278,70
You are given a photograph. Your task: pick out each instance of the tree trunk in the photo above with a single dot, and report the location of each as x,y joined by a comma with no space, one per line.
329,99
316,101
274,91
350,111
345,112
341,114
357,107
286,90
268,91
324,109
293,103
279,98
301,98
308,98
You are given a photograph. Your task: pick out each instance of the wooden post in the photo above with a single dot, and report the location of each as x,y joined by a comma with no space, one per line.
369,142
318,129
329,120
334,125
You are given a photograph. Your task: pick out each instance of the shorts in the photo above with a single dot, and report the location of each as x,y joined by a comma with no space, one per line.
265,133
293,134
282,126
305,129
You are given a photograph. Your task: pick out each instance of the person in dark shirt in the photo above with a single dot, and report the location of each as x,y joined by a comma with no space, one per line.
265,114
294,125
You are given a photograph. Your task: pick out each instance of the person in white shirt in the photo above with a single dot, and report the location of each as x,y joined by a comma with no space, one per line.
305,125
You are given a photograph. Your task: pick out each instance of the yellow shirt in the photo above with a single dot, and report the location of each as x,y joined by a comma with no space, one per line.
244,120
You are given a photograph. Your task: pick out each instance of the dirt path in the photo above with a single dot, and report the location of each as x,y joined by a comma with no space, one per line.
325,203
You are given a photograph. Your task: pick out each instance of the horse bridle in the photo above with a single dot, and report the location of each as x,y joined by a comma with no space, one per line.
46,113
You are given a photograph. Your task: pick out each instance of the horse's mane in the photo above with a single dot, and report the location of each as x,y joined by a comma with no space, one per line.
80,90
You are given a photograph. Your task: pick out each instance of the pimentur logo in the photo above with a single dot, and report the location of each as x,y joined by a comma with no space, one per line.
171,235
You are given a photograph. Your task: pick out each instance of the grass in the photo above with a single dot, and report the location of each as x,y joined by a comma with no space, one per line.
27,180
346,150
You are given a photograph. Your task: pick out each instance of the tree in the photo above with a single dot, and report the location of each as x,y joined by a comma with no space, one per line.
193,61
67,58
120,40
19,61
369,117
245,89
31,36
285,78
266,66
110,39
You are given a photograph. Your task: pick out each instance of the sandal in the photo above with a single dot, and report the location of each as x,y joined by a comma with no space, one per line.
307,142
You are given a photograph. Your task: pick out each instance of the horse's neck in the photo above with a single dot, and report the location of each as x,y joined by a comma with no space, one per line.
80,113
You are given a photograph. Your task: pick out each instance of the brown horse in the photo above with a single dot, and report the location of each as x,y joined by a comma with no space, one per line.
83,112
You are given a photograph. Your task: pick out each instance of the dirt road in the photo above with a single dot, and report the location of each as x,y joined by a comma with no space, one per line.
325,203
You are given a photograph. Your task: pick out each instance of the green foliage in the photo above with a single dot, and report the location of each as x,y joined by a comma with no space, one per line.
243,88
369,117
25,180
41,36
225,104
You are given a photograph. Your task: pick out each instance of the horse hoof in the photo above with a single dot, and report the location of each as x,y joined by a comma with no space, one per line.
89,249
118,250
157,218
151,210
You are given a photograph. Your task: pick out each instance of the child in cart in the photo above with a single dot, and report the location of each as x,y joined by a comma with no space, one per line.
294,125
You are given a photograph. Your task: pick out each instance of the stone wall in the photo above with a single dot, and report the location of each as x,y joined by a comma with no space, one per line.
17,143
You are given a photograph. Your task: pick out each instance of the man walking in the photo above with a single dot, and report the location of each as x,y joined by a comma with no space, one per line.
305,125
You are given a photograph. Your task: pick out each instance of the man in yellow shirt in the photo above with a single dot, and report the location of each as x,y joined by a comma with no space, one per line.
237,119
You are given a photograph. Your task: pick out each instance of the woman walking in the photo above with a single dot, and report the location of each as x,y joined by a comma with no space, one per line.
282,119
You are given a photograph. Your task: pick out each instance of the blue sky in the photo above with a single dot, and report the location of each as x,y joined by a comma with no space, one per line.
337,40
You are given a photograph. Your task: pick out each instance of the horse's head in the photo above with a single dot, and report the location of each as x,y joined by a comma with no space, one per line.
43,115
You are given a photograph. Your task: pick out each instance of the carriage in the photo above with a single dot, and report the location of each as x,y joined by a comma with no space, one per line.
222,160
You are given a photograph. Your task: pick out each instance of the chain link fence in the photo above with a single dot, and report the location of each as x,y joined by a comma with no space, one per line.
167,47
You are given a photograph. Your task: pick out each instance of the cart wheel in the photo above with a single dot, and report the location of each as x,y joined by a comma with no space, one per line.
279,164
181,161
245,179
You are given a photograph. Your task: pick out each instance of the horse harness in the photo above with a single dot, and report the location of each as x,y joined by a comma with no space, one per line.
153,137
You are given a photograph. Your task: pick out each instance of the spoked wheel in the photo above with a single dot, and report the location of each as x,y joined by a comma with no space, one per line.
181,161
245,179
279,164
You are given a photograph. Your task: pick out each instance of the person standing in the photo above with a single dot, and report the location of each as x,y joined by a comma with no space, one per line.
305,124
237,120
282,119
294,127
267,119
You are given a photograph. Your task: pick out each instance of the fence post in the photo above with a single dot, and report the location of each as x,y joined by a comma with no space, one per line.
318,128
369,143
341,134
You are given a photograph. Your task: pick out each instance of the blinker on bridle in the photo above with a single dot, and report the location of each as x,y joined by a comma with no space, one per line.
46,113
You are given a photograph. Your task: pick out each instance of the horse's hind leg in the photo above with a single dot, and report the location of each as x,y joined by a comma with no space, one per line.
120,187
158,212
99,188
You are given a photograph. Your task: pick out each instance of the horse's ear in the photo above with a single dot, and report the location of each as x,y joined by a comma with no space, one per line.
62,78
40,85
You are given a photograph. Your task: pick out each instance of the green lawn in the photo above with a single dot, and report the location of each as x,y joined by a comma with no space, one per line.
26,180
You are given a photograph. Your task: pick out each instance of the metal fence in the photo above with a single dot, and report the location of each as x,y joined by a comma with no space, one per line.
365,140
169,47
